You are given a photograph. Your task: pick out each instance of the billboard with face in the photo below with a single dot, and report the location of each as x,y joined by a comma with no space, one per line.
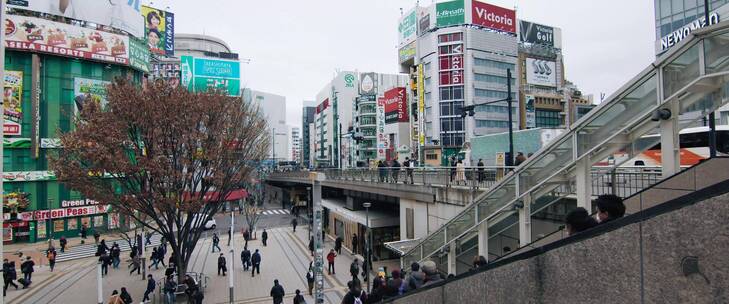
159,29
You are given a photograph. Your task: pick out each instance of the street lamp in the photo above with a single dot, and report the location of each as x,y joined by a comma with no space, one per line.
368,254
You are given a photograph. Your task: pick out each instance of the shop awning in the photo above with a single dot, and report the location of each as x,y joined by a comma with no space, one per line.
378,219
401,247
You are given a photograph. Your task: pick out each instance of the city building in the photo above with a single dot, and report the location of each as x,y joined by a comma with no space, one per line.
332,119
44,87
460,57
675,20
307,135
296,144
274,109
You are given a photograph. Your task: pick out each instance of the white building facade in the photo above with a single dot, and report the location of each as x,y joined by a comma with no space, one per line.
274,109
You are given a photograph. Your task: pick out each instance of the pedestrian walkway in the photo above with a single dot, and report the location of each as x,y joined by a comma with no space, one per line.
274,212
89,250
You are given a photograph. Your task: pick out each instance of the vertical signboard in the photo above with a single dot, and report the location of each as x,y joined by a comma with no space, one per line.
530,111
12,102
202,74
138,55
421,104
396,108
407,28
159,29
381,136
450,13
35,96
493,17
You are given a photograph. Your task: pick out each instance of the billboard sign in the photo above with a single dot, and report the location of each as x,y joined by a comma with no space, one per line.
396,106
541,72
407,28
89,90
382,140
424,24
138,55
120,14
530,111
368,84
45,36
494,17
159,31
407,52
202,74
450,13
12,102
536,33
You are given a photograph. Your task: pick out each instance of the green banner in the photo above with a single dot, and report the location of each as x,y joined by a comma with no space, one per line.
203,84
138,55
202,74
450,13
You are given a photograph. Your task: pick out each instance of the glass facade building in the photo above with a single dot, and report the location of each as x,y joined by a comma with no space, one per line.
671,15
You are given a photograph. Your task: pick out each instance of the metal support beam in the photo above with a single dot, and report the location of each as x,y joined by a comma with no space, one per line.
483,240
583,183
670,153
525,222
316,179
452,258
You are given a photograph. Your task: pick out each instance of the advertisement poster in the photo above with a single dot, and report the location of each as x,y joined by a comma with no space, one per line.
138,55
368,84
382,140
421,104
113,220
58,226
72,224
536,33
407,28
12,101
449,13
41,229
119,14
541,72
89,90
201,75
98,221
159,30
45,36
531,118
407,52
494,17
396,106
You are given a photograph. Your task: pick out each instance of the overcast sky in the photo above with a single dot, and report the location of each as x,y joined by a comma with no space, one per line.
295,47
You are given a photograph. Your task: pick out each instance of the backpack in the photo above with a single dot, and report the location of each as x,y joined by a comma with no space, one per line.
358,299
354,268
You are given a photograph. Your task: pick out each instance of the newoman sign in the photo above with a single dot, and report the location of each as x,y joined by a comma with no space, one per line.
676,36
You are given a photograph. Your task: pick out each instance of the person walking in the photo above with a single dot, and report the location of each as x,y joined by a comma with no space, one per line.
191,286
480,170
311,245
309,279
83,233
230,235
51,256
150,288
135,264
277,293
161,251
395,170
382,170
216,241
27,269
170,288
101,248
246,237
63,242
115,255
221,264
264,237
354,243
125,296
453,167
298,298
354,269
105,261
256,262
245,258
330,260
96,237
338,244
294,222
408,164
9,275
155,258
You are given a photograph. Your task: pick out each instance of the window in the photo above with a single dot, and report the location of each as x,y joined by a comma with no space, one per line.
493,79
492,124
547,119
493,94
445,125
431,156
453,37
493,64
451,93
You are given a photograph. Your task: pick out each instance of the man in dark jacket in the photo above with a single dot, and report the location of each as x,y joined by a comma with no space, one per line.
338,244
63,243
27,269
354,295
294,223
277,292
221,264
393,285
311,245
105,260
150,288
354,269
609,207
354,243
416,279
395,170
264,237
256,262
216,242
9,275
245,258
115,255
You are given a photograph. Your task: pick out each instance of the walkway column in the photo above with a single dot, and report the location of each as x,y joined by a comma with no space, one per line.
670,153
583,183
483,240
316,179
452,258
525,222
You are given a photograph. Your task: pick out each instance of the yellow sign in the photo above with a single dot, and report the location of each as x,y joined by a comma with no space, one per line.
421,104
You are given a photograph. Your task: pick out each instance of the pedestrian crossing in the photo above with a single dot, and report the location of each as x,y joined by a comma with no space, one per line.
274,212
89,249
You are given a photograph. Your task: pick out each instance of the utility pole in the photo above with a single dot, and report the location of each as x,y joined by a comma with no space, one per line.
232,255
99,286
316,179
712,118
2,121
511,123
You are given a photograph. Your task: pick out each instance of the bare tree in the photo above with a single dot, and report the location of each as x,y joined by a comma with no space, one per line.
163,153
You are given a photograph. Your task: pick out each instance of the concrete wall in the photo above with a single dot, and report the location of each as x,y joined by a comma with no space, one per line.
427,217
634,260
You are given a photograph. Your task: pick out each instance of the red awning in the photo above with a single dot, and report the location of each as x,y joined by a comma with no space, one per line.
232,196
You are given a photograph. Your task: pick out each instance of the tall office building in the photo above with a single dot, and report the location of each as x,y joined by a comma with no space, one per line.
296,144
307,135
274,109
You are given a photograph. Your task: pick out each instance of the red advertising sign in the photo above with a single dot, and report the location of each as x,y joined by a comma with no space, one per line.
396,106
11,128
322,106
494,17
